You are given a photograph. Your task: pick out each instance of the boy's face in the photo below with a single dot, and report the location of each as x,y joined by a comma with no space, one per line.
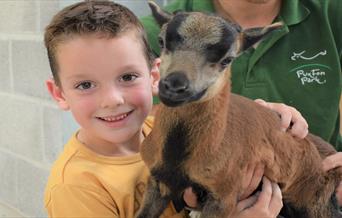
107,85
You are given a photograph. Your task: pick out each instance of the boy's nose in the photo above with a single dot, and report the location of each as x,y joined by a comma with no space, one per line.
112,98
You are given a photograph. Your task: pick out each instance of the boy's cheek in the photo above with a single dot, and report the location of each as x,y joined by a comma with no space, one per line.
143,98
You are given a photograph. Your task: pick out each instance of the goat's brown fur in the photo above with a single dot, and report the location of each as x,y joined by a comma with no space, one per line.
223,134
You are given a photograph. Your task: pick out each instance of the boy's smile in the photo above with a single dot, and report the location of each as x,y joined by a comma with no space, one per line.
107,85
116,120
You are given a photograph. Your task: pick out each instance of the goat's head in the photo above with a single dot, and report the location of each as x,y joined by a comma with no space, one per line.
197,50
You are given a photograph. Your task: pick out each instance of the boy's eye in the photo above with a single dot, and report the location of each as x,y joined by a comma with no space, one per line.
85,85
128,77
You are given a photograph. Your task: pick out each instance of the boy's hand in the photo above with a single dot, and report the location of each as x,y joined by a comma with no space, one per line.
291,119
332,162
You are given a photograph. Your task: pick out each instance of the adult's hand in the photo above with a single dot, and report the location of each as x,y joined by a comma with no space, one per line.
253,174
332,162
291,119
266,204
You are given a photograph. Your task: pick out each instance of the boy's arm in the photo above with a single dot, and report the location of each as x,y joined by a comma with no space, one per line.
73,201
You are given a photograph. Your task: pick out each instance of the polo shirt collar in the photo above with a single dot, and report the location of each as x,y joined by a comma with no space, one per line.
292,11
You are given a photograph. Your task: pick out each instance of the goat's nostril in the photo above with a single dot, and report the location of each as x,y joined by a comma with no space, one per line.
179,86
175,82
166,85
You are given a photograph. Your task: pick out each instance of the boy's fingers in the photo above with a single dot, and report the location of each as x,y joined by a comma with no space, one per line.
190,198
276,201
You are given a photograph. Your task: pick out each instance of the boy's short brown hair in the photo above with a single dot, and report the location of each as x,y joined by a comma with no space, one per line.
102,17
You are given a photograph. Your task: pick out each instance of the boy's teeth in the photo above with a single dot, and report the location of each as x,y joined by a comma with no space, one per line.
111,119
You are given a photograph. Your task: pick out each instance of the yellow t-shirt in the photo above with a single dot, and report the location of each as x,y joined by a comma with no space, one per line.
85,184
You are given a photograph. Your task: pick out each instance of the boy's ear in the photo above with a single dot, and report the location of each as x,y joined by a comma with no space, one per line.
57,94
159,15
155,76
253,36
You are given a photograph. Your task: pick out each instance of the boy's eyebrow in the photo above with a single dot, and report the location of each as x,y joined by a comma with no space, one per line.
76,76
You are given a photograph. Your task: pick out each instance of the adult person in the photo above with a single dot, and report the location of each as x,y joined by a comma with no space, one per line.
299,65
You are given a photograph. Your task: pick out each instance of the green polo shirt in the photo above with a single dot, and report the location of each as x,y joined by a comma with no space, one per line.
299,65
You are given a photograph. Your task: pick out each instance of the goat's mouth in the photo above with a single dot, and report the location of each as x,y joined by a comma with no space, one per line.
176,99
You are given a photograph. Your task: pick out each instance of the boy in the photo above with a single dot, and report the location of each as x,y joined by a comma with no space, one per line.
105,75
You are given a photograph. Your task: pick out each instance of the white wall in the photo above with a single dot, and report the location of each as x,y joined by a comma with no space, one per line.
32,129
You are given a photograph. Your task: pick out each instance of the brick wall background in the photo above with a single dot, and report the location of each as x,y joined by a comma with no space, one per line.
32,129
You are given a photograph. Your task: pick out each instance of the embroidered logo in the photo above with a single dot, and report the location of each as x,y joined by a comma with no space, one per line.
310,73
299,55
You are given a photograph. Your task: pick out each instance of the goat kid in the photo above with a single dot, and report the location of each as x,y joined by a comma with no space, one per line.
204,136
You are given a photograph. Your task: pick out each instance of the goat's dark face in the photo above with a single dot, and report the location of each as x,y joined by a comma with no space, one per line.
196,53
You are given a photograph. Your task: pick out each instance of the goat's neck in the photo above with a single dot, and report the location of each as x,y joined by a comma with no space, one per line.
212,110
206,120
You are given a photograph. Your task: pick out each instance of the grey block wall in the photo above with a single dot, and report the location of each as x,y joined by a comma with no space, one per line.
32,129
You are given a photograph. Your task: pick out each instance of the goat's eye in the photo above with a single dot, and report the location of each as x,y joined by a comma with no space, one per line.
226,61
161,42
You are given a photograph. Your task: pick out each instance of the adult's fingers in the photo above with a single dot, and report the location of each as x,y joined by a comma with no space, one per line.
332,161
300,127
276,202
246,203
252,179
289,115
265,194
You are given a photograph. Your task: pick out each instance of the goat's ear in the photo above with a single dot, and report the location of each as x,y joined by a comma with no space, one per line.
252,37
159,15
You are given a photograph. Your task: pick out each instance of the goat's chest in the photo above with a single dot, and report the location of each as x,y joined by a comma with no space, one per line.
175,153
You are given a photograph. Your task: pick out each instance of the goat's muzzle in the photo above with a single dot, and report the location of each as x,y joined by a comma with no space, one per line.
174,90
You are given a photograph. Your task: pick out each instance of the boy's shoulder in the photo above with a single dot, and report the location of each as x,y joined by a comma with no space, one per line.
70,167
78,166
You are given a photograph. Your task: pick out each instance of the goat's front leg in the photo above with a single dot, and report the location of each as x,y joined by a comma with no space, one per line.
155,200
214,208
218,208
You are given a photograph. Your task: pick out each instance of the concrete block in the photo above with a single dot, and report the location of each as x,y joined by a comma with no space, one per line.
70,126
21,124
139,8
31,185
8,180
17,16
53,133
47,10
4,66
30,68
